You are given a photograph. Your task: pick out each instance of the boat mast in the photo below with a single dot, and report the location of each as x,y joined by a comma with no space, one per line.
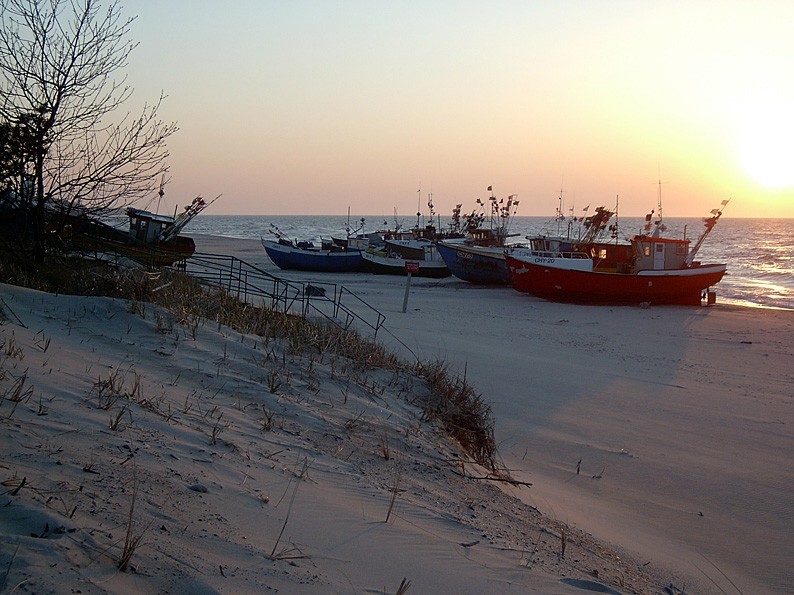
418,207
614,227
560,217
709,222
492,200
659,204
659,226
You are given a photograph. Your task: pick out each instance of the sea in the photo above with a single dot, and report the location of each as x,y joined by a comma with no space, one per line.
759,252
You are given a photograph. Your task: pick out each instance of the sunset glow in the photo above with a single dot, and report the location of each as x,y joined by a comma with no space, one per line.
313,107
767,141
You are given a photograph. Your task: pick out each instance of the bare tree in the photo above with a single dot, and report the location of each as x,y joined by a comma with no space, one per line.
58,92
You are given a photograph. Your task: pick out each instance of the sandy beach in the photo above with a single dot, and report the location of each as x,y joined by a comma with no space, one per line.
657,440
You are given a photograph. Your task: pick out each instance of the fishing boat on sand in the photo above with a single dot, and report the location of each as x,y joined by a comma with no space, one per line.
478,257
399,257
414,250
649,269
153,239
331,256
304,256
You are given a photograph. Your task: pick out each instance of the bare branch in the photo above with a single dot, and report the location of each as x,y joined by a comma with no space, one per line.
61,89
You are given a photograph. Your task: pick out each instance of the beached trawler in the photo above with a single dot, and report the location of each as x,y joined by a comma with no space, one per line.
401,256
304,256
478,257
152,239
649,269
331,256
414,250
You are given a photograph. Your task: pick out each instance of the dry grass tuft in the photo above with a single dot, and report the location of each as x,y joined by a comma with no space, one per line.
132,539
462,413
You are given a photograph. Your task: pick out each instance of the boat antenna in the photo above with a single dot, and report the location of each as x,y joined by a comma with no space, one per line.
709,222
659,204
418,206
614,227
493,207
560,216
660,227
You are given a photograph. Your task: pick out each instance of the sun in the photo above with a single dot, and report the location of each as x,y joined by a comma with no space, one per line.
766,140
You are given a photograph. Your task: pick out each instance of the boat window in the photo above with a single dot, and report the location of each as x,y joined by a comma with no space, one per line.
647,250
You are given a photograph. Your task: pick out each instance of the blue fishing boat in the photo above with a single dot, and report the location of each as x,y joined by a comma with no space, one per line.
304,256
479,257
475,264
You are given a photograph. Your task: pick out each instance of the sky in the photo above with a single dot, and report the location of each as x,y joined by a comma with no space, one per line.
316,107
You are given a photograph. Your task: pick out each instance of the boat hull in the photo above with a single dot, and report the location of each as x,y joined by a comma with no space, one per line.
162,254
384,265
408,249
88,235
475,264
680,287
324,261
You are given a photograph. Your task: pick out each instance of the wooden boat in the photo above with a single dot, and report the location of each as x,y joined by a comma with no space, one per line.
476,264
649,269
409,248
478,256
303,256
398,254
153,239
380,264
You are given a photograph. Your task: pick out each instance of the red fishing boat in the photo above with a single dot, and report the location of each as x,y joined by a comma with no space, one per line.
649,269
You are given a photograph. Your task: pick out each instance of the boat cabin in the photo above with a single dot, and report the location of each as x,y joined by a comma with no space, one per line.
147,227
654,253
611,258
552,246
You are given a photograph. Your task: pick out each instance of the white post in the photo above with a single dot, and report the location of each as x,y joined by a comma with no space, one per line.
407,287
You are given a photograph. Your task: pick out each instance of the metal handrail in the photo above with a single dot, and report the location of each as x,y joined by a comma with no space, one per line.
551,254
330,301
